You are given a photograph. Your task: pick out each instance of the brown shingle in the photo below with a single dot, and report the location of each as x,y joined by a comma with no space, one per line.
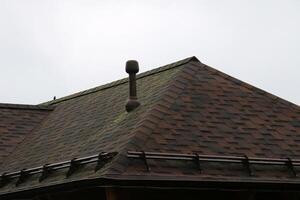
16,122
186,107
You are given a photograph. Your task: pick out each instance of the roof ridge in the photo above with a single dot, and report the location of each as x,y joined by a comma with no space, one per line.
158,110
25,106
122,81
249,86
154,113
149,109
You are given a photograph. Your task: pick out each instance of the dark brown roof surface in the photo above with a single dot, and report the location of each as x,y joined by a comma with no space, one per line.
186,107
17,121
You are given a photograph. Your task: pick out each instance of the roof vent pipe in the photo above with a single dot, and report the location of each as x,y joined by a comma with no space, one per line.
132,67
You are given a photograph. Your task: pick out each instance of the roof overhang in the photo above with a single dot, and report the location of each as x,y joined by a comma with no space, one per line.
160,183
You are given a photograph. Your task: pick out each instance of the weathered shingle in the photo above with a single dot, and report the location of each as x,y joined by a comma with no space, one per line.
16,122
186,107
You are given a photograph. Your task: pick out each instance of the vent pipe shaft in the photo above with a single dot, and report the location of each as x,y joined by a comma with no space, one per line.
132,67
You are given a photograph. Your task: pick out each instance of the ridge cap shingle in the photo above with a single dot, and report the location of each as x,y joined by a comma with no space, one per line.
122,81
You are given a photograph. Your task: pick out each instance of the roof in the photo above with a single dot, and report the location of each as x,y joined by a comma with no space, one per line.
16,121
187,108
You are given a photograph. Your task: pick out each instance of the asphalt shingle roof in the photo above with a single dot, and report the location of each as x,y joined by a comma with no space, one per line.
186,107
16,121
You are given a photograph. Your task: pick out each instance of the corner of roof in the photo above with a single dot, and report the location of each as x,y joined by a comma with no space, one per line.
194,58
155,113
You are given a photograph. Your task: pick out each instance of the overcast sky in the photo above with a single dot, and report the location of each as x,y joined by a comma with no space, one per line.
58,47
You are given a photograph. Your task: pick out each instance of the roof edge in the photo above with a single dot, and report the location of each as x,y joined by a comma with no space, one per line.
25,107
122,81
158,182
249,86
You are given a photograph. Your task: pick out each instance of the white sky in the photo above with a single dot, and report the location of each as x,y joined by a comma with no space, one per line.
58,47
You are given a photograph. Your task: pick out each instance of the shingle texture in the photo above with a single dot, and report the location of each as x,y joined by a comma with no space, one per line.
17,121
186,107
207,112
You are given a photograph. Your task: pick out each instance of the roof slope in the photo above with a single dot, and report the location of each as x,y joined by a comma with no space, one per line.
210,113
186,107
83,125
17,121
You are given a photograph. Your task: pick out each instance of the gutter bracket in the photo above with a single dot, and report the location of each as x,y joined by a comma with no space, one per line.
144,157
197,160
246,163
22,177
4,180
290,165
104,158
74,165
46,171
